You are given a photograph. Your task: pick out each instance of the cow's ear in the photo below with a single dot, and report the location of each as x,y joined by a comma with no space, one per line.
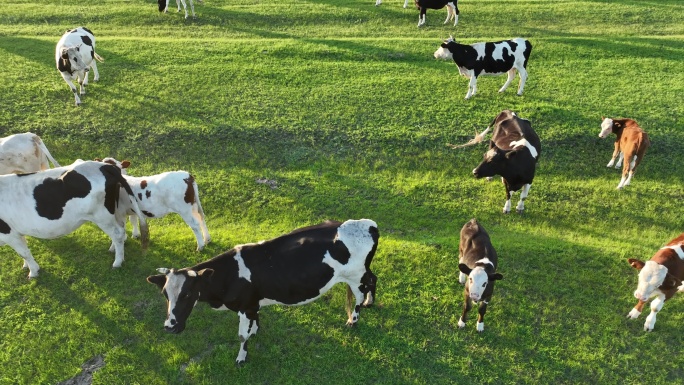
495,277
206,273
97,160
125,164
637,264
159,280
603,118
463,268
511,154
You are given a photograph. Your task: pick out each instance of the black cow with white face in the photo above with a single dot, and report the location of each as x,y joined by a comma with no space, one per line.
493,58
293,269
451,6
513,154
477,261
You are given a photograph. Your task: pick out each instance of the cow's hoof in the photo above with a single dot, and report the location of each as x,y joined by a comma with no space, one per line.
461,324
351,324
239,364
506,211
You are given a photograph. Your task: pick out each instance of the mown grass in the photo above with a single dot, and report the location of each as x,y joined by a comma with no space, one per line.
342,105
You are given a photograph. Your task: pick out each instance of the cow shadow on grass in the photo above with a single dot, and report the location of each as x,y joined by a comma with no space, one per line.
38,51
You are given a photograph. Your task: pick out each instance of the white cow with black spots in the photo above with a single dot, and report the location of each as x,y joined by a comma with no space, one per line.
75,56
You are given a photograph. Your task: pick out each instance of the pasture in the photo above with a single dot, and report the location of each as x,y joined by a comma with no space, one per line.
292,112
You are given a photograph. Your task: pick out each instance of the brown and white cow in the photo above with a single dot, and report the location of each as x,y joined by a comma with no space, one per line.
161,194
631,143
660,277
23,153
477,261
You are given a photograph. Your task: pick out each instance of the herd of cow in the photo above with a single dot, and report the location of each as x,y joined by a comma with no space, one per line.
298,267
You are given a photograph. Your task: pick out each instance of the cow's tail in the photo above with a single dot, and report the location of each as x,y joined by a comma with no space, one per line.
477,139
98,57
197,198
527,52
39,143
144,230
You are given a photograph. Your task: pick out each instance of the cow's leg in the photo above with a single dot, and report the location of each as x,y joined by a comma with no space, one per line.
135,224
192,9
67,79
632,166
456,12
405,3
656,306
636,311
421,16
523,195
86,72
96,74
522,72
621,156
249,324
354,292
481,310
472,86
18,243
626,169
178,5
448,8
467,305
191,220
511,76
118,235
369,282
507,205
378,2
616,151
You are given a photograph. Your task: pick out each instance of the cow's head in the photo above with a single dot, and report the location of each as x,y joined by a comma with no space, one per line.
652,276
443,52
606,127
479,277
494,162
182,289
162,5
123,165
71,56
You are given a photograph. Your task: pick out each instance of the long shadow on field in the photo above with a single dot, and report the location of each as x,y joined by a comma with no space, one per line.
632,47
35,50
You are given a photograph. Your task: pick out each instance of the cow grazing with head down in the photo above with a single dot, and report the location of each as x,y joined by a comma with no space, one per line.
159,195
513,154
293,269
452,9
488,59
477,263
660,277
55,202
164,6
23,153
631,142
75,56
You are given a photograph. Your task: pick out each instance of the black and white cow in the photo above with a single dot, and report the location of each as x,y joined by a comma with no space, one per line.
488,59
513,154
52,203
164,6
424,5
378,2
22,153
161,194
293,269
75,56
477,263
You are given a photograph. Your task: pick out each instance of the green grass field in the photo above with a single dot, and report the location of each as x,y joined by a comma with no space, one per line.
341,105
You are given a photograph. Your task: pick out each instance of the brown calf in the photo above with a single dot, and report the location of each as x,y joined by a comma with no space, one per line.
631,144
661,276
